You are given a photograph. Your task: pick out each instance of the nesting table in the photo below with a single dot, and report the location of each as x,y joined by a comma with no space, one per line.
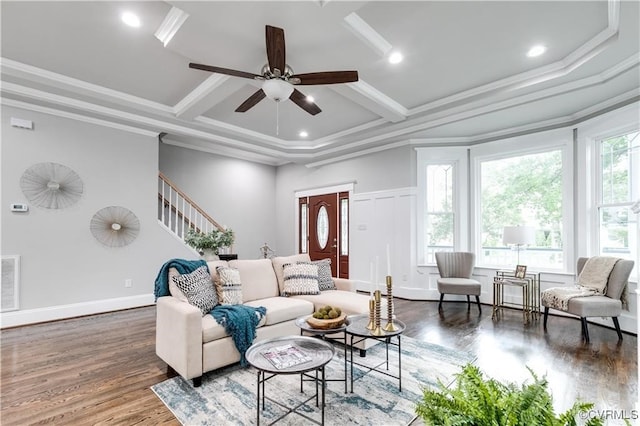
530,286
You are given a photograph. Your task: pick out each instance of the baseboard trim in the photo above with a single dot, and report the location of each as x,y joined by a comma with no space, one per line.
52,313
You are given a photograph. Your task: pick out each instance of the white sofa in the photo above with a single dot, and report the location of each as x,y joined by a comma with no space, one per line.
193,344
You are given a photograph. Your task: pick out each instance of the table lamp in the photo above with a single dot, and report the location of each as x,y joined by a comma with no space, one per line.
518,236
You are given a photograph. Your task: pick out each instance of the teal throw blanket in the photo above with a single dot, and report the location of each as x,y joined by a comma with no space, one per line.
240,322
183,266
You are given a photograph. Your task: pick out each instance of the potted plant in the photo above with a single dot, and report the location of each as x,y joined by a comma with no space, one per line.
210,243
477,401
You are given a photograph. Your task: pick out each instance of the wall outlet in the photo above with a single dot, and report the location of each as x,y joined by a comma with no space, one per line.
128,282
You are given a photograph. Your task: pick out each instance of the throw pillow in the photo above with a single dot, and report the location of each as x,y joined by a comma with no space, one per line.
325,281
300,278
229,286
198,289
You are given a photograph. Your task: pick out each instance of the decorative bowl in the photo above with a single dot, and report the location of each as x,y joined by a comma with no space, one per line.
327,324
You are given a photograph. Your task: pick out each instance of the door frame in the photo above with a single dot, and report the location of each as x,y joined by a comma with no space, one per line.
337,188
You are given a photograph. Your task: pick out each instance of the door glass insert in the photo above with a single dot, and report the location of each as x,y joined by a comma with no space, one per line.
322,227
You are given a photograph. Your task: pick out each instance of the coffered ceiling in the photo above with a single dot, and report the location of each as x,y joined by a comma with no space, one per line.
465,76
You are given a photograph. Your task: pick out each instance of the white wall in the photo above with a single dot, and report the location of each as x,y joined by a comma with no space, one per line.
65,271
235,193
385,170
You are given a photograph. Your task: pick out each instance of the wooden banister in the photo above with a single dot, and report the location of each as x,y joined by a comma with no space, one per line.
190,201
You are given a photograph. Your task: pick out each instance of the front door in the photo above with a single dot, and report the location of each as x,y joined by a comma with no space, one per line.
326,230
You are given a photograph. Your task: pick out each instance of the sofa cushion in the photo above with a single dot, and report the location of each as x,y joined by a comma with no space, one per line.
325,281
281,309
278,266
349,302
229,286
212,330
300,278
258,279
198,289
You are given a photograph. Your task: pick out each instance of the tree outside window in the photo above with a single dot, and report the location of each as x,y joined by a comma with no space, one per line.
523,190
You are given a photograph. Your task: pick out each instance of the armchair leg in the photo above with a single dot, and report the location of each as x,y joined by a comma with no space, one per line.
546,314
478,302
617,324
585,329
440,304
468,303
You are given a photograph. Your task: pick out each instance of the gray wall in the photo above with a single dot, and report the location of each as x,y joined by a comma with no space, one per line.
390,169
61,262
238,194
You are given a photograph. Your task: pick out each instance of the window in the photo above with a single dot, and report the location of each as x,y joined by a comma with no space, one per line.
618,187
303,230
443,194
523,189
439,213
344,223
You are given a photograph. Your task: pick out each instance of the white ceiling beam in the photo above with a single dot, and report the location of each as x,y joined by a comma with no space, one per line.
372,99
366,34
210,92
171,24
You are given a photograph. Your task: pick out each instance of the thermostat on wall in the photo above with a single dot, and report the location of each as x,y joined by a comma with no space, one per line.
18,207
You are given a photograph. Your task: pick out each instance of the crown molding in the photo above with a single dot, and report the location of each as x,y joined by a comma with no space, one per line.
199,99
78,117
48,78
548,72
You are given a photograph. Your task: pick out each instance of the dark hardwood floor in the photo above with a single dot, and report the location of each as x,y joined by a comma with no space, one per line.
98,369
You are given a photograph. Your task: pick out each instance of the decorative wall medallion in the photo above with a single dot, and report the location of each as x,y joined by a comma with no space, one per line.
51,185
115,226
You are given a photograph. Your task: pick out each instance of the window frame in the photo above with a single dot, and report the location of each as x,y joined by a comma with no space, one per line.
458,157
559,139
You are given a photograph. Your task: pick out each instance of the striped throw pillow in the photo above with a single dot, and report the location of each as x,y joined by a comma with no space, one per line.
300,278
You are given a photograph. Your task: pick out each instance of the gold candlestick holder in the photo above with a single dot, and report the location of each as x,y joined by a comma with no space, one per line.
390,325
372,313
377,331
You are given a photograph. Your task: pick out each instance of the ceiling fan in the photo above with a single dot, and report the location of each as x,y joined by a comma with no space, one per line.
279,78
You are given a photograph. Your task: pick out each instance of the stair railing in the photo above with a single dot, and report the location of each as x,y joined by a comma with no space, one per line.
178,213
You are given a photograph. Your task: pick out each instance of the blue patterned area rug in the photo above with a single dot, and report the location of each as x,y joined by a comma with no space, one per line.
228,395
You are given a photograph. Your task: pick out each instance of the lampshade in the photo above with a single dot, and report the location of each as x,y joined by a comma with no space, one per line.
277,90
519,235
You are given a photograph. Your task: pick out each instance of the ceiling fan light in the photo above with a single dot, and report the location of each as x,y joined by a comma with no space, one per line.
277,90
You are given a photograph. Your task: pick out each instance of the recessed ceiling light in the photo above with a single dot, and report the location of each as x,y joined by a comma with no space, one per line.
310,98
131,19
303,134
536,51
395,58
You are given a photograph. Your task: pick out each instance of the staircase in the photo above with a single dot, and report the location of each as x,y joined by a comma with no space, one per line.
178,213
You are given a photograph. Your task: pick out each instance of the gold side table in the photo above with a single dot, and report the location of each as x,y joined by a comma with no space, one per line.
530,285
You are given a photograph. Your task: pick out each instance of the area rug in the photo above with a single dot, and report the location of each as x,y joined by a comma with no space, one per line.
228,395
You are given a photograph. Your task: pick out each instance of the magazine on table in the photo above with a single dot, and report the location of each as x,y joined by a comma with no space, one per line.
286,356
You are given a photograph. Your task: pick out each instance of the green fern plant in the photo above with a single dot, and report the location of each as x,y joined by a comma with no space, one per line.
475,401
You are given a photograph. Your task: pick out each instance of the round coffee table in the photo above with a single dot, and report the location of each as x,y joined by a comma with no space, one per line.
324,335
288,351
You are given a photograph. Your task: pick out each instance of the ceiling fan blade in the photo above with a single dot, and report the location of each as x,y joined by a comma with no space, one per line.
226,71
300,99
275,48
327,77
251,101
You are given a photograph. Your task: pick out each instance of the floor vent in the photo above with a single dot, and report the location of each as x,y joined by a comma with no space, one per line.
10,283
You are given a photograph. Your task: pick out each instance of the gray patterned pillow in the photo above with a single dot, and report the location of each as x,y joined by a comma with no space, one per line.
300,278
325,281
198,288
229,286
